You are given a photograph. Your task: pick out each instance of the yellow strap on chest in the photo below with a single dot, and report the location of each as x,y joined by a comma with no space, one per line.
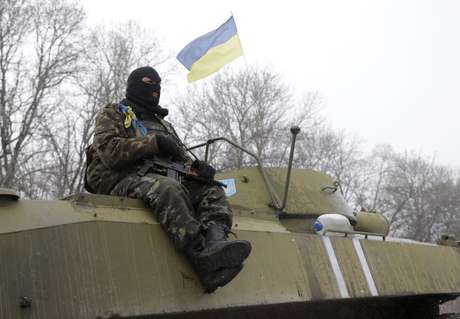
129,117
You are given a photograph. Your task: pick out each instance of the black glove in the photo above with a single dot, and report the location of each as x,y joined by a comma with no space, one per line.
168,146
204,169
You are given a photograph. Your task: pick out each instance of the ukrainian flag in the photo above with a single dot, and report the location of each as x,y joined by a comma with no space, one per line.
208,53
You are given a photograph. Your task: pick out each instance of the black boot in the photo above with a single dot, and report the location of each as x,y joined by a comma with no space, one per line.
210,280
219,253
219,278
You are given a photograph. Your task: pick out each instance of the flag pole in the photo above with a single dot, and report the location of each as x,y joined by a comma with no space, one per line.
244,55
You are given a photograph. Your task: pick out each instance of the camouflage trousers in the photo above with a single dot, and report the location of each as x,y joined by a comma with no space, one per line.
183,209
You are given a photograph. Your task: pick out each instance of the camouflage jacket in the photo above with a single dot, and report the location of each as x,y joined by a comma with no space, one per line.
117,151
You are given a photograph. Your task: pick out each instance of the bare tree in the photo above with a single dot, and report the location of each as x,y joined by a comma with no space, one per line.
334,153
251,107
419,197
38,52
113,53
452,222
374,174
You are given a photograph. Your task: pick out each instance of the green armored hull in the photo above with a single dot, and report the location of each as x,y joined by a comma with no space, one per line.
95,256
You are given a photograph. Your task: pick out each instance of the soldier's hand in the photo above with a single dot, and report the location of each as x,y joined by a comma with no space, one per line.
169,147
203,169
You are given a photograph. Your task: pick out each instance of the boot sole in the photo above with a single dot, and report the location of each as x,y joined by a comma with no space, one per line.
219,278
229,257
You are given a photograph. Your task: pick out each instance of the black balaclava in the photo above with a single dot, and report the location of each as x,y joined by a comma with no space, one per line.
140,93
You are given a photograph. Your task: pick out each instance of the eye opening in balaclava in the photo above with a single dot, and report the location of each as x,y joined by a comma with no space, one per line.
141,92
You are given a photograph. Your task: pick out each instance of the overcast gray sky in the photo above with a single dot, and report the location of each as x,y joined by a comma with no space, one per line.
388,70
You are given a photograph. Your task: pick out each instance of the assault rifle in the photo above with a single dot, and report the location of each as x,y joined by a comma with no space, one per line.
174,170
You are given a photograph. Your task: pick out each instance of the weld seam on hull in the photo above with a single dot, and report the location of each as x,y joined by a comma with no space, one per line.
365,267
335,267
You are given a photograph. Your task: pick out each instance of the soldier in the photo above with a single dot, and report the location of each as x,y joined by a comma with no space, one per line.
195,215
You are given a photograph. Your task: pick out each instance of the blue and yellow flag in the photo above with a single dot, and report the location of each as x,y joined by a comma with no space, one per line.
208,53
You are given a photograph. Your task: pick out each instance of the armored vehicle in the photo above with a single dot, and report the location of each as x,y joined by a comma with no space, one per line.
95,256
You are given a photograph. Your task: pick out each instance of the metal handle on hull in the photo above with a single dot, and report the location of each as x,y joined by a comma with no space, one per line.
275,201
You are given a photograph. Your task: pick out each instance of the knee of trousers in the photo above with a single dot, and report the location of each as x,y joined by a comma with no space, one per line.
169,187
